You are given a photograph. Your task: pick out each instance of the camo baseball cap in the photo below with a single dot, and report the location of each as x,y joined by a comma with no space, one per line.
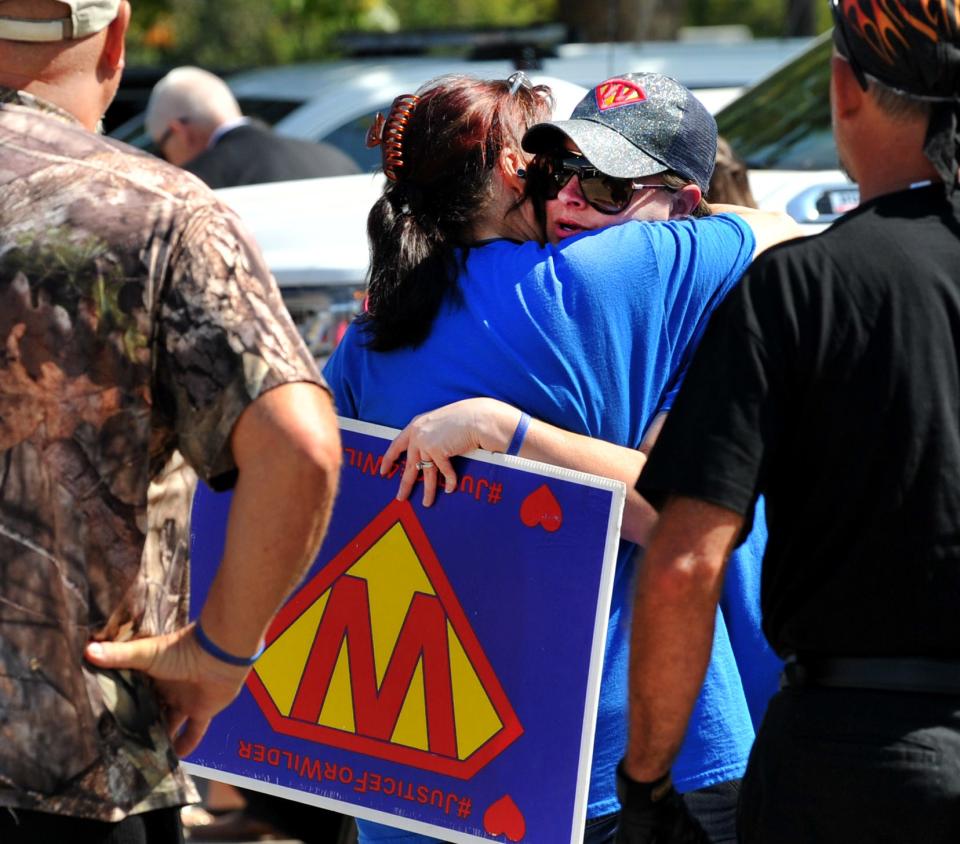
636,125
86,17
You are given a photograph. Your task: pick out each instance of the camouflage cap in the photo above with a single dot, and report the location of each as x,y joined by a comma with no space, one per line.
86,17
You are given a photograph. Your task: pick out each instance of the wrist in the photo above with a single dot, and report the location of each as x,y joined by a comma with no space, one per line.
212,649
631,791
494,421
519,434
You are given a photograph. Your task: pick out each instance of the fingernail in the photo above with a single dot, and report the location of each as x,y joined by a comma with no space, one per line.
95,649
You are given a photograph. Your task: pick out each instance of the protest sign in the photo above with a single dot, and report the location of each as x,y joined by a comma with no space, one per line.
438,668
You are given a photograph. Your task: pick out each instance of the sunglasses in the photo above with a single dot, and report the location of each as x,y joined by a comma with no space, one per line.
549,173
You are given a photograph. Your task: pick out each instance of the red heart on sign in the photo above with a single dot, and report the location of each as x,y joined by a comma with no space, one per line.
541,508
504,818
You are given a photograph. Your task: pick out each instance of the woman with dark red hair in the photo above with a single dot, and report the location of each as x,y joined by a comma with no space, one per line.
588,335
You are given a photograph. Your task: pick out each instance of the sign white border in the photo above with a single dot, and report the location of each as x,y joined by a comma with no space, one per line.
591,703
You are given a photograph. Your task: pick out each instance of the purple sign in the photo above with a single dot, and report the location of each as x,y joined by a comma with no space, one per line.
438,669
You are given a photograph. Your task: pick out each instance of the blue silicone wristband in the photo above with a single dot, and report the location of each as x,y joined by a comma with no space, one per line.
207,644
517,442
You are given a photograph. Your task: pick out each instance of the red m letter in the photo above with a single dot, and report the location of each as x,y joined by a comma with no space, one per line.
423,636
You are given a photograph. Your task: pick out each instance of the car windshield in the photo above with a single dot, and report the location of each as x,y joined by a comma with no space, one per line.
351,139
783,123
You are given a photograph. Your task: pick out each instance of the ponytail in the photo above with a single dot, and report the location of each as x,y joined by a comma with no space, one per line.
413,269
443,149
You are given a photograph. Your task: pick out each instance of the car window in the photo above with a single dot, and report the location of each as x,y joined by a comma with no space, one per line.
269,111
783,123
351,138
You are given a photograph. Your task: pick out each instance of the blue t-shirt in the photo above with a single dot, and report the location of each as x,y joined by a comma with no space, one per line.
590,336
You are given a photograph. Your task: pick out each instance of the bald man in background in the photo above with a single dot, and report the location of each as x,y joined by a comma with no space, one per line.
196,123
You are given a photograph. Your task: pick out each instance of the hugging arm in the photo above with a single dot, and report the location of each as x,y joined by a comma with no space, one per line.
490,424
769,227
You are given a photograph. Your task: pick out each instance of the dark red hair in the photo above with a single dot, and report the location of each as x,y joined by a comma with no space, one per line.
451,143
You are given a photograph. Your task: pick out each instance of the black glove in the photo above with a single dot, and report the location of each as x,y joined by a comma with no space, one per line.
654,813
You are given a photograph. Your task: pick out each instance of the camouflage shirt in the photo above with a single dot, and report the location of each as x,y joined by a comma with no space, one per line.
137,321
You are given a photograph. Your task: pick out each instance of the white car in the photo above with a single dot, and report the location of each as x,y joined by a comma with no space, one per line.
335,101
353,92
313,234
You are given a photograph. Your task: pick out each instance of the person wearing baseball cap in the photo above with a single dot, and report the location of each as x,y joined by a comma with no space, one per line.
641,146
829,383
121,382
48,45
83,18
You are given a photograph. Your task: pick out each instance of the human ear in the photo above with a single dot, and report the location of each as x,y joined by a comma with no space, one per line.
513,166
112,59
845,92
683,201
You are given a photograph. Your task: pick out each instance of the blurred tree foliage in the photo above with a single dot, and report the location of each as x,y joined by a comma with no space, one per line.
766,18
431,13
239,33
226,34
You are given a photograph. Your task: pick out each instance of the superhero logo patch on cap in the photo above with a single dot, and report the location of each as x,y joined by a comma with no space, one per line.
618,92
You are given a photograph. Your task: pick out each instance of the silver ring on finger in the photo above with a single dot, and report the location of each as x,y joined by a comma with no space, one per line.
425,464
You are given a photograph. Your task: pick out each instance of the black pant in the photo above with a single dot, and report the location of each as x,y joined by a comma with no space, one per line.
18,826
715,807
835,766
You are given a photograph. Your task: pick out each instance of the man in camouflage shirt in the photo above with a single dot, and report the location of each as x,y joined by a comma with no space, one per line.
142,343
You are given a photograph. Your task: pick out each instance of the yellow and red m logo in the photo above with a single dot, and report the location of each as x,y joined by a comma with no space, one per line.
375,655
618,92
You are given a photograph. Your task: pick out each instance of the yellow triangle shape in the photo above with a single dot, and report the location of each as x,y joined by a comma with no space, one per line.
411,728
476,719
393,572
281,665
337,709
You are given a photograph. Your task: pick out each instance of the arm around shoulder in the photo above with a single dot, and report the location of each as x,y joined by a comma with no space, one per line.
769,227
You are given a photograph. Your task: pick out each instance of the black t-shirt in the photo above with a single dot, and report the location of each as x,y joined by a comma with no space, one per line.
829,382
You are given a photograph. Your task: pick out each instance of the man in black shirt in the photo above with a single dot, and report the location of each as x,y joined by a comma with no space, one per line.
829,381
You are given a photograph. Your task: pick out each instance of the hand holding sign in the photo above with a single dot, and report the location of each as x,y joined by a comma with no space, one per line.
433,438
